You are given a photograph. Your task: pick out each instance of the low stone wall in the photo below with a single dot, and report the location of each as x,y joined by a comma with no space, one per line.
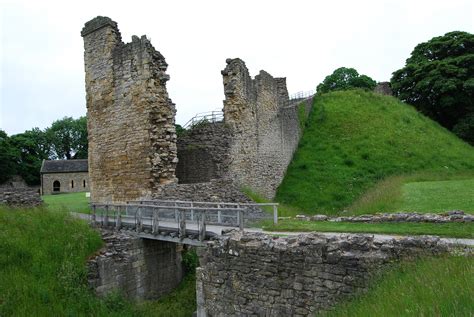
260,275
20,197
450,216
138,268
15,192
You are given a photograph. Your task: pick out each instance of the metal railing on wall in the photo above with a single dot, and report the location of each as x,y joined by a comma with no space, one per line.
210,116
302,94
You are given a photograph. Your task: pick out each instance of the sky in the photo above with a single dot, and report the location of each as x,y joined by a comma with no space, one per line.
41,50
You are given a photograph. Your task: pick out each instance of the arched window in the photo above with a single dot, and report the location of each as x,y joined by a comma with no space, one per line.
84,183
72,184
56,186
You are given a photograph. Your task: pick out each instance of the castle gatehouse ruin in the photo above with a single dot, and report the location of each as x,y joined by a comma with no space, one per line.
134,152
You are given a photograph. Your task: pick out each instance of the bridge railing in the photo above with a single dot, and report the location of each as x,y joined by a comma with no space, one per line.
218,205
165,220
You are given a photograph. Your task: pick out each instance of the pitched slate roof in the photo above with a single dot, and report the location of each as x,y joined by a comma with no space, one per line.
64,166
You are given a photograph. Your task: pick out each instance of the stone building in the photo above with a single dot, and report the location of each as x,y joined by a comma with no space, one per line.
64,176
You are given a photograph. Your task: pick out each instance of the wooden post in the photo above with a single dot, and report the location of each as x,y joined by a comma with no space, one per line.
275,214
241,219
106,218
219,216
156,224
118,223
238,214
139,219
94,217
176,216
202,226
182,224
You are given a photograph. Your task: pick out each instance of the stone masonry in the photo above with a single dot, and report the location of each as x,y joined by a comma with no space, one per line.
204,153
138,268
266,130
132,139
252,274
15,192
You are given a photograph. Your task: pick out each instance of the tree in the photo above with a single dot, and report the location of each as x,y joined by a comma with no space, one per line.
68,138
8,158
82,145
345,78
438,79
31,148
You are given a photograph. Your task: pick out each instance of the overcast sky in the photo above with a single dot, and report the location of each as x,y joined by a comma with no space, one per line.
41,50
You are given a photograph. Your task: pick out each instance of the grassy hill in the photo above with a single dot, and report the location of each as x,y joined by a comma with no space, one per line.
355,139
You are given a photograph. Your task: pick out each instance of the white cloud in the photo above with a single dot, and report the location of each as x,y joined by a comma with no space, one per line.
42,77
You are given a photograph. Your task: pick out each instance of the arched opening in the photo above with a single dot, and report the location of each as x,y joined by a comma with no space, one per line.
56,186
72,184
84,183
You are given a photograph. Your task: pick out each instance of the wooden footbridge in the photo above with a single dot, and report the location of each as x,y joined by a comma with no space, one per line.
186,222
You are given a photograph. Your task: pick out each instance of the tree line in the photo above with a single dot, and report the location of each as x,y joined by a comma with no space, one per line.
22,154
438,79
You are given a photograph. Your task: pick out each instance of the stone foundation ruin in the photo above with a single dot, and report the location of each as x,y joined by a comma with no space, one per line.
251,274
134,152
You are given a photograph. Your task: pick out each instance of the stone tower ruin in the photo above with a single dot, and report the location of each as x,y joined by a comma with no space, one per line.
133,147
132,137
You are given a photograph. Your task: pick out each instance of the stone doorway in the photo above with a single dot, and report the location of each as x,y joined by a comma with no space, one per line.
56,186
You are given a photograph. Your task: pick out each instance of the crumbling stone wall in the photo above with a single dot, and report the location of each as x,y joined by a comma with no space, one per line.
265,128
245,274
132,139
15,192
137,268
384,88
203,153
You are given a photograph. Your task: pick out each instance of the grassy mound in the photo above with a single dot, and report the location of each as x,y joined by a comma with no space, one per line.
427,287
354,139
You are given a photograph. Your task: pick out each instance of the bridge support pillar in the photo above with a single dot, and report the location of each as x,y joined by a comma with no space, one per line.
138,268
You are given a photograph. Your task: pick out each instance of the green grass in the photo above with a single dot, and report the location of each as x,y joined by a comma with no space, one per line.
43,273
76,202
180,303
42,264
419,192
354,139
425,287
455,230
438,196
284,210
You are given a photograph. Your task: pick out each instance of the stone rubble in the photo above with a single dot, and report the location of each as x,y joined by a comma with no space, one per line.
449,216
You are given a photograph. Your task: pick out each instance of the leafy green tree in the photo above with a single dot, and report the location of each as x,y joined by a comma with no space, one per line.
68,138
438,79
81,146
345,78
31,147
8,158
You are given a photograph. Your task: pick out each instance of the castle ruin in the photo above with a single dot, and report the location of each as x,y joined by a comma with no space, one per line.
134,152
